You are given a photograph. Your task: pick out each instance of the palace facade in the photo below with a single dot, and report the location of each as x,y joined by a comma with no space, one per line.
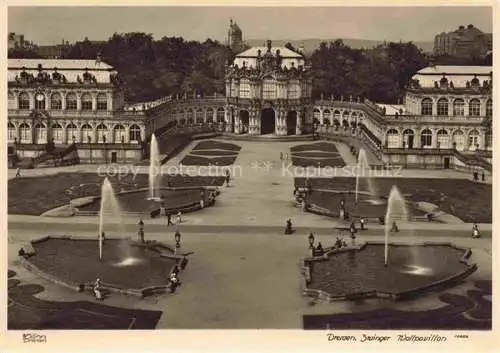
268,91
67,103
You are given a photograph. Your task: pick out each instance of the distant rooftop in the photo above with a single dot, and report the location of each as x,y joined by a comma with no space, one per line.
284,52
61,64
455,70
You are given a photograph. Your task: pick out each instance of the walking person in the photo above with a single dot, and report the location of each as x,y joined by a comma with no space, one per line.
18,172
475,231
362,223
169,219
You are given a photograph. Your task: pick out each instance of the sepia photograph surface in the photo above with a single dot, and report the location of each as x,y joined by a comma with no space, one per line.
320,169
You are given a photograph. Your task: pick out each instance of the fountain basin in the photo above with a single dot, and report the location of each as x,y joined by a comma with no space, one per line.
127,267
327,202
359,272
138,201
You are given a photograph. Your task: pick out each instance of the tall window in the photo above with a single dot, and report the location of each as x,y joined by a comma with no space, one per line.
72,131
426,106
234,88
71,101
24,100
458,107
86,101
40,133
55,101
443,139
135,133
293,91
102,133
489,107
102,101
87,133
442,107
473,140
393,140
40,101
210,115
459,140
327,116
268,89
220,115
426,138
57,133
12,101
11,132
199,116
244,88
474,107
119,133
25,133
316,116
190,116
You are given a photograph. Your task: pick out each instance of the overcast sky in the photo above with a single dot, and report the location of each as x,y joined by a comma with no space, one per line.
50,25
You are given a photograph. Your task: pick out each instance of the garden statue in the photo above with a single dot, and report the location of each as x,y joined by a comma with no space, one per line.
288,227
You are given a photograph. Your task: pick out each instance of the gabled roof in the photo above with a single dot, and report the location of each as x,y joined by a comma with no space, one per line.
61,64
284,52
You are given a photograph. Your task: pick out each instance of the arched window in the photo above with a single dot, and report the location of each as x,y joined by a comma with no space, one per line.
220,115
119,134
393,140
11,132
268,89
474,107
337,115
244,88
474,140
190,116
442,107
56,101
458,107
57,133
210,115
71,101
408,136
87,133
459,140
443,139
199,116
102,133
327,116
426,106
102,101
24,101
86,101
72,134
489,107
40,101
426,138
12,102
135,133
40,134
316,115
25,133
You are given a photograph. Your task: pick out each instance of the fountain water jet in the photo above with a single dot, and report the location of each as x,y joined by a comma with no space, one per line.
109,206
154,169
396,210
360,172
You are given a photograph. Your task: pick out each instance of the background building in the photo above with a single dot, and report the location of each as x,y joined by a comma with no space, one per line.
15,41
268,91
463,42
70,105
235,37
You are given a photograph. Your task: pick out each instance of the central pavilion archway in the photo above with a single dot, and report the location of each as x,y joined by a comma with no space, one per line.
267,121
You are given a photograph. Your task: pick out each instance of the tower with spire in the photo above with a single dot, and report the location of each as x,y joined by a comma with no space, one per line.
235,37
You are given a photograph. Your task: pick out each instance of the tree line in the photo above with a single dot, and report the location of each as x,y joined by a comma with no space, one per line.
171,65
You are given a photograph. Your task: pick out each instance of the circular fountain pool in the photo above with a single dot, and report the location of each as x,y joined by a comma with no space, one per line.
129,267
411,270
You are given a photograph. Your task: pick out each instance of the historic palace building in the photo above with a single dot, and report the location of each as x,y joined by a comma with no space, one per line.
445,122
268,91
66,103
